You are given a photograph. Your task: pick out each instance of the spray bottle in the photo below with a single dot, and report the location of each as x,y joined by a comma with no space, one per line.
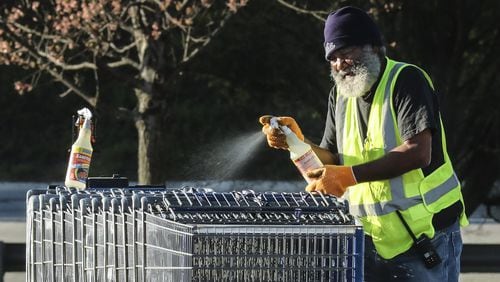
301,153
81,154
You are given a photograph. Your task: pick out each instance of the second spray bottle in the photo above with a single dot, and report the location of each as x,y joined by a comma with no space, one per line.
81,153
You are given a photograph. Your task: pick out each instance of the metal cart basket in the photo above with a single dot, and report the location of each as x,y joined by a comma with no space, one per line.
141,234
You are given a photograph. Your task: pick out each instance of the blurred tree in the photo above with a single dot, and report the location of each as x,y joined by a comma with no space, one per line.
456,42
268,61
143,44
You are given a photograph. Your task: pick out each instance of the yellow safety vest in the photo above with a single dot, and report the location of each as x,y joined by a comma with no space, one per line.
416,196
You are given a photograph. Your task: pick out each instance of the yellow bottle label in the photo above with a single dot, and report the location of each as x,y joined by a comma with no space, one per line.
82,151
79,164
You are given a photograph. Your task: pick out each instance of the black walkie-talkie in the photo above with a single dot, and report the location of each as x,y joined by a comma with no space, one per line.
423,245
428,252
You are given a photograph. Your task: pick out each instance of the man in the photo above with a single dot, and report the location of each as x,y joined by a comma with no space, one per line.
384,149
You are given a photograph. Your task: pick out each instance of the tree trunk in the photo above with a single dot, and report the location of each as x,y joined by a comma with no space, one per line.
148,134
149,109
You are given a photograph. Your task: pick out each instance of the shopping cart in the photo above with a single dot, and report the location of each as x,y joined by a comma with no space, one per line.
189,234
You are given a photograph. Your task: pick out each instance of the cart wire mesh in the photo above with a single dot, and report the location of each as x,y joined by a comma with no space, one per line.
190,234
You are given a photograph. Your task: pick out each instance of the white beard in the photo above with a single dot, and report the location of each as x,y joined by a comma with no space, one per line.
364,74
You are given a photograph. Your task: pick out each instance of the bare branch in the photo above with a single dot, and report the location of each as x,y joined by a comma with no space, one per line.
41,35
320,15
183,5
124,48
186,40
64,66
96,79
124,62
39,59
65,93
226,15
174,21
59,77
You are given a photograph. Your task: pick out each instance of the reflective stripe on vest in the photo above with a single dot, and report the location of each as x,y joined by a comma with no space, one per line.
402,203
399,201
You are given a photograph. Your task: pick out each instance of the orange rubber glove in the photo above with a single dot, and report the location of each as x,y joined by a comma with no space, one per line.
275,137
331,179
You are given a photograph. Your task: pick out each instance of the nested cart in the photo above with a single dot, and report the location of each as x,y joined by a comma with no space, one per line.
189,234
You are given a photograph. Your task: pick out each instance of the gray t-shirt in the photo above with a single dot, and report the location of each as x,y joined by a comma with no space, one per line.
416,106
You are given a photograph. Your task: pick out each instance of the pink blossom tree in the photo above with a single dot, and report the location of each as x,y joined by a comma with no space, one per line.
143,43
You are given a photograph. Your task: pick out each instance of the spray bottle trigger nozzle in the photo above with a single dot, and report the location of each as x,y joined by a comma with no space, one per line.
274,123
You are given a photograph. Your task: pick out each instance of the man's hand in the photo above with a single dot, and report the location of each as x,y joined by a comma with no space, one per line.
275,137
331,179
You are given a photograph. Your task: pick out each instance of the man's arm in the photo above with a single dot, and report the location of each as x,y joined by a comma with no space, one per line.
325,155
414,153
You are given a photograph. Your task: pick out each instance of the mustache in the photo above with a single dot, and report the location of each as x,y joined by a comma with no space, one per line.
354,69
343,72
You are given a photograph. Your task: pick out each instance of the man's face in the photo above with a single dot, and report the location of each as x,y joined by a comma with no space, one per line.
354,70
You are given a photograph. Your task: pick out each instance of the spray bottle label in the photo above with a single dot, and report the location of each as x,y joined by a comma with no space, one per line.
79,164
306,162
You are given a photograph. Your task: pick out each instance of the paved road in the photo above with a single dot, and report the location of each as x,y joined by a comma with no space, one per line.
13,199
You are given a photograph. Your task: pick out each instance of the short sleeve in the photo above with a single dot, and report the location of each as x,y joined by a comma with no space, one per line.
415,103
